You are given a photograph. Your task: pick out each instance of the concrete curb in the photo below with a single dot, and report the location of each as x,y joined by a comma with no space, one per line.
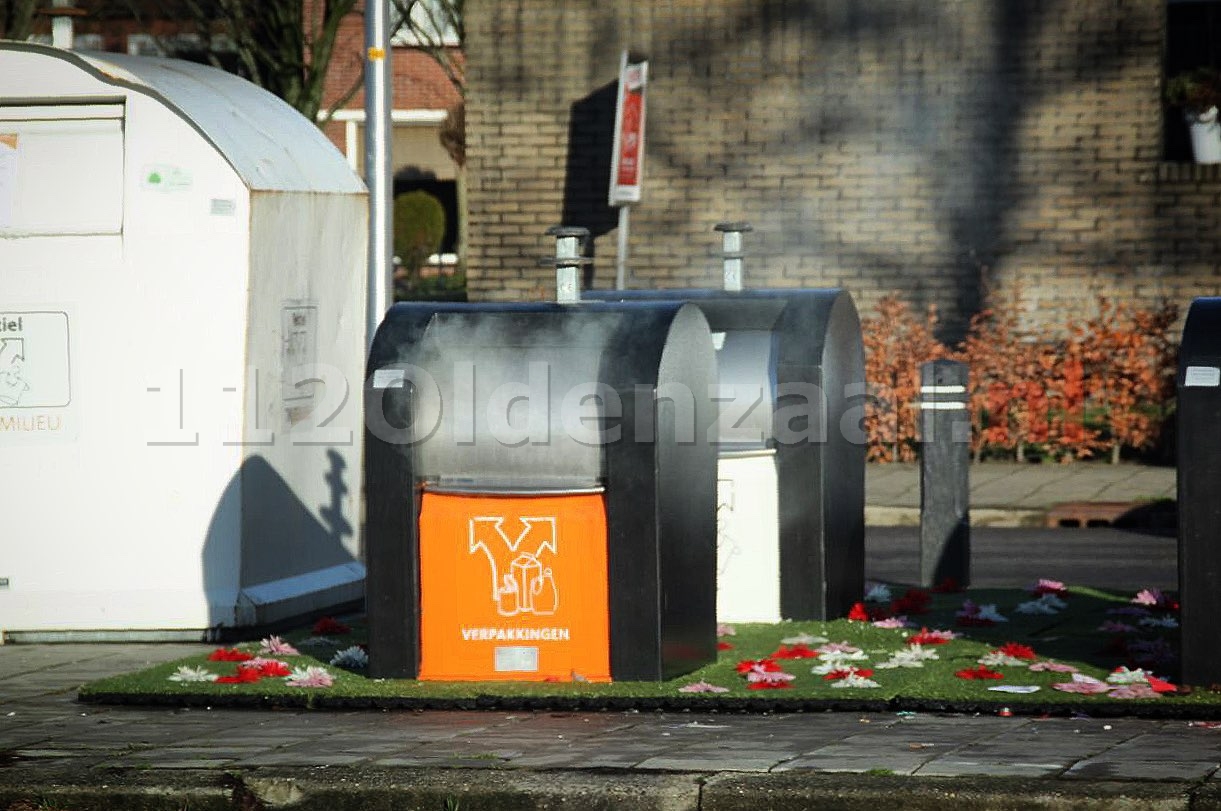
879,516
475,789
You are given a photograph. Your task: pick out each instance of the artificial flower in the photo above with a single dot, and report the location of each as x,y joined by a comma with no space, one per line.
1083,684
854,681
724,646
229,655
999,659
751,665
803,639
978,672
1018,651
319,642
1137,690
330,625
1039,606
948,585
1122,675
702,687
268,667
878,593
982,615
914,601
185,673
1148,597
891,622
832,662
1019,689
756,676
794,652
769,685
244,675
911,656
353,658
844,673
1052,666
277,647
837,647
726,630
312,676
858,613
1160,685
927,637
1159,622
1045,586
1113,627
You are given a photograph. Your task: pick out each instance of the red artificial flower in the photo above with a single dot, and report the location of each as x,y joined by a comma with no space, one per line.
858,613
947,586
724,646
244,675
1160,685
273,669
1018,651
927,637
329,625
914,601
229,655
978,672
760,665
794,652
769,685
836,675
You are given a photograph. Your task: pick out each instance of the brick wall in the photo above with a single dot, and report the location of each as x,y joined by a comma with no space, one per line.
933,148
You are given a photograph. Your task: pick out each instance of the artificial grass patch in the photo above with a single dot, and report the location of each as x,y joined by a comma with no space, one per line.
1070,637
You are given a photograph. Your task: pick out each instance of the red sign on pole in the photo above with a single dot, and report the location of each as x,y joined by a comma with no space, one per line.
627,162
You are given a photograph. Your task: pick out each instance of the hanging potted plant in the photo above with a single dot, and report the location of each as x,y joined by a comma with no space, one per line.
1198,93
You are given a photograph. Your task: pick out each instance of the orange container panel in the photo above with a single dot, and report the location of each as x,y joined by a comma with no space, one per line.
513,588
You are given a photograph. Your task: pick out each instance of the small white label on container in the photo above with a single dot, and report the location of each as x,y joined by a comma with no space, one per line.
516,659
1203,376
718,341
387,378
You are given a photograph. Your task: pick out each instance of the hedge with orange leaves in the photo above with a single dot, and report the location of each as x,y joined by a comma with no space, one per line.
1106,385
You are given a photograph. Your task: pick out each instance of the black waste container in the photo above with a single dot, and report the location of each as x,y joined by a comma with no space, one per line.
791,448
541,492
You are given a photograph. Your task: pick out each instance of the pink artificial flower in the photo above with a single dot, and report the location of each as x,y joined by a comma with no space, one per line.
1085,685
277,647
756,676
702,687
1045,586
1137,690
726,630
1148,597
312,676
1051,666
838,647
891,622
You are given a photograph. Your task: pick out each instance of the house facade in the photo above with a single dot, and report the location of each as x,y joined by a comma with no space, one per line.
948,151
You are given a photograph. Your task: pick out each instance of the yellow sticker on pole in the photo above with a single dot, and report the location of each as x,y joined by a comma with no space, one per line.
376,54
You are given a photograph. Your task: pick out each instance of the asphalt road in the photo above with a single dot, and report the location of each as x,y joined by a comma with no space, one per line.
1014,558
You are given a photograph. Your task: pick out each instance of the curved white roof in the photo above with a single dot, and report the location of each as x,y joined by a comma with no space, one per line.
269,144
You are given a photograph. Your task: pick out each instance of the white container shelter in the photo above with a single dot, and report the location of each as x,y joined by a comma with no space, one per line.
182,321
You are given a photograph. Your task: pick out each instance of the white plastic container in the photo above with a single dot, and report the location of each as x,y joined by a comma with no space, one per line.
178,251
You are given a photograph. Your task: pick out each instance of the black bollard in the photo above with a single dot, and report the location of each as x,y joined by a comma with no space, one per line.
945,456
1199,493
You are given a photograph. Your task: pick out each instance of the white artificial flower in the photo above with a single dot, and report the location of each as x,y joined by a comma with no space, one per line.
192,674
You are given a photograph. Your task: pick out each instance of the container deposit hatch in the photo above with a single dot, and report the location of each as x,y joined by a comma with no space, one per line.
541,499
181,314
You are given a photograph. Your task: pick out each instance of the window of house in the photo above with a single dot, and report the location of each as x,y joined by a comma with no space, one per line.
432,22
1193,39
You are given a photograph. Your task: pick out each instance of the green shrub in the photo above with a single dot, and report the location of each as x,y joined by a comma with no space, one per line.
419,227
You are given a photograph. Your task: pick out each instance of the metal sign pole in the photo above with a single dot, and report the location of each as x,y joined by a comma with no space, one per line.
621,252
377,161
